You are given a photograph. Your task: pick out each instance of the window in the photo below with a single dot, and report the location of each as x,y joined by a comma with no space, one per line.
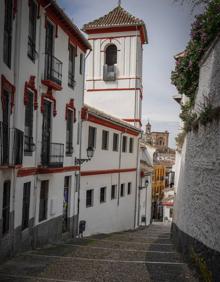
89,198
32,30
171,212
8,32
71,73
102,194
69,132
92,137
6,207
26,204
131,144
43,200
122,192
66,196
115,142
124,144
111,55
105,137
28,128
81,64
113,192
129,188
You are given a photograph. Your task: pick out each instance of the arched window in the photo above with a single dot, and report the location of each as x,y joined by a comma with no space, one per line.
111,55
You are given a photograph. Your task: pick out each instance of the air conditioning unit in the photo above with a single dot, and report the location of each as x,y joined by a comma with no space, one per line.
109,73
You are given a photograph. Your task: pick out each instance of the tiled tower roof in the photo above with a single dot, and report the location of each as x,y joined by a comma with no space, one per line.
117,18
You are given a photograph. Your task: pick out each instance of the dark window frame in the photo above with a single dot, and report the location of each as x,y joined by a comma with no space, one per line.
28,124
103,195
43,203
114,192
122,190
131,145
129,188
6,207
69,132
8,31
26,205
111,55
92,133
33,14
105,139
115,142
124,144
72,65
89,198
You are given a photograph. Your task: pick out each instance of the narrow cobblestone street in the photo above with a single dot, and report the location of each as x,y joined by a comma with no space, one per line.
143,255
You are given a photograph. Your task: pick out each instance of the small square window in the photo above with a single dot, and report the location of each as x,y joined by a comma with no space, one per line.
105,137
124,144
115,142
122,192
129,188
89,198
131,145
103,195
114,192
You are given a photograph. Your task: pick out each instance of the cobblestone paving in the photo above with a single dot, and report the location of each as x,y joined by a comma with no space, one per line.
146,254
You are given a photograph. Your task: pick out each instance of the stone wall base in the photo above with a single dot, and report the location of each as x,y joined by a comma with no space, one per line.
18,240
206,260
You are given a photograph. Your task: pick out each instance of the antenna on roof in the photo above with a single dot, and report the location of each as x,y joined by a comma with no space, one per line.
119,2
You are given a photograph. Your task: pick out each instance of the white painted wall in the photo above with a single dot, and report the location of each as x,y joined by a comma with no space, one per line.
129,75
197,206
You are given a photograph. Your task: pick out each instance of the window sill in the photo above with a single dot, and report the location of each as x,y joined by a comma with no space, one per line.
89,206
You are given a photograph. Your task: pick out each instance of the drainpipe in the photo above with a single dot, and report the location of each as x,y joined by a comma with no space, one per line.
80,145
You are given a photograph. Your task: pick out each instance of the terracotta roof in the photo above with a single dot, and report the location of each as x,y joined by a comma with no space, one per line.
118,17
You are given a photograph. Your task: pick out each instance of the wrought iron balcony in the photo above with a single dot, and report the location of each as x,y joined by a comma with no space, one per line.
11,145
52,154
53,69
109,73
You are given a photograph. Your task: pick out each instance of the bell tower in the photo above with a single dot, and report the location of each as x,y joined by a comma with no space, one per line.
114,66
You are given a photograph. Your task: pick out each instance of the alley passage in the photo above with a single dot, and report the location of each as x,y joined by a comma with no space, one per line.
143,255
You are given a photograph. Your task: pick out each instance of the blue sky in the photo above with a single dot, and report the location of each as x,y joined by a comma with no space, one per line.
168,24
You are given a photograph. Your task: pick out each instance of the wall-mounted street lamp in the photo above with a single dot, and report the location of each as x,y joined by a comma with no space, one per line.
90,153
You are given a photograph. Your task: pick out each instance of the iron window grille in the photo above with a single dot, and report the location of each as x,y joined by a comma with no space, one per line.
71,72
105,139
26,205
89,198
6,207
32,30
43,200
7,47
53,69
103,195
54,156
115,142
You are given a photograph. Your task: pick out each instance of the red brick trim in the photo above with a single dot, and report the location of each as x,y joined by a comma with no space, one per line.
27,171
119,29
107,171
113,37
10,88
30,85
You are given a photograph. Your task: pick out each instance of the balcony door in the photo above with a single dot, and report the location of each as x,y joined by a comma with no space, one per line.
6,127
46,132
49,48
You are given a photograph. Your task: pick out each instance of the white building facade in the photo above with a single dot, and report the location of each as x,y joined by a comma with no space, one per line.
109,181
42,77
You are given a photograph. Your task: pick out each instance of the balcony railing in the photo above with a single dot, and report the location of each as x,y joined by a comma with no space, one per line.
32,53
11,145
53,69
52,154
109,73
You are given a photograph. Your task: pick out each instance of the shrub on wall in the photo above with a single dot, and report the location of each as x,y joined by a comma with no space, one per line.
186,74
